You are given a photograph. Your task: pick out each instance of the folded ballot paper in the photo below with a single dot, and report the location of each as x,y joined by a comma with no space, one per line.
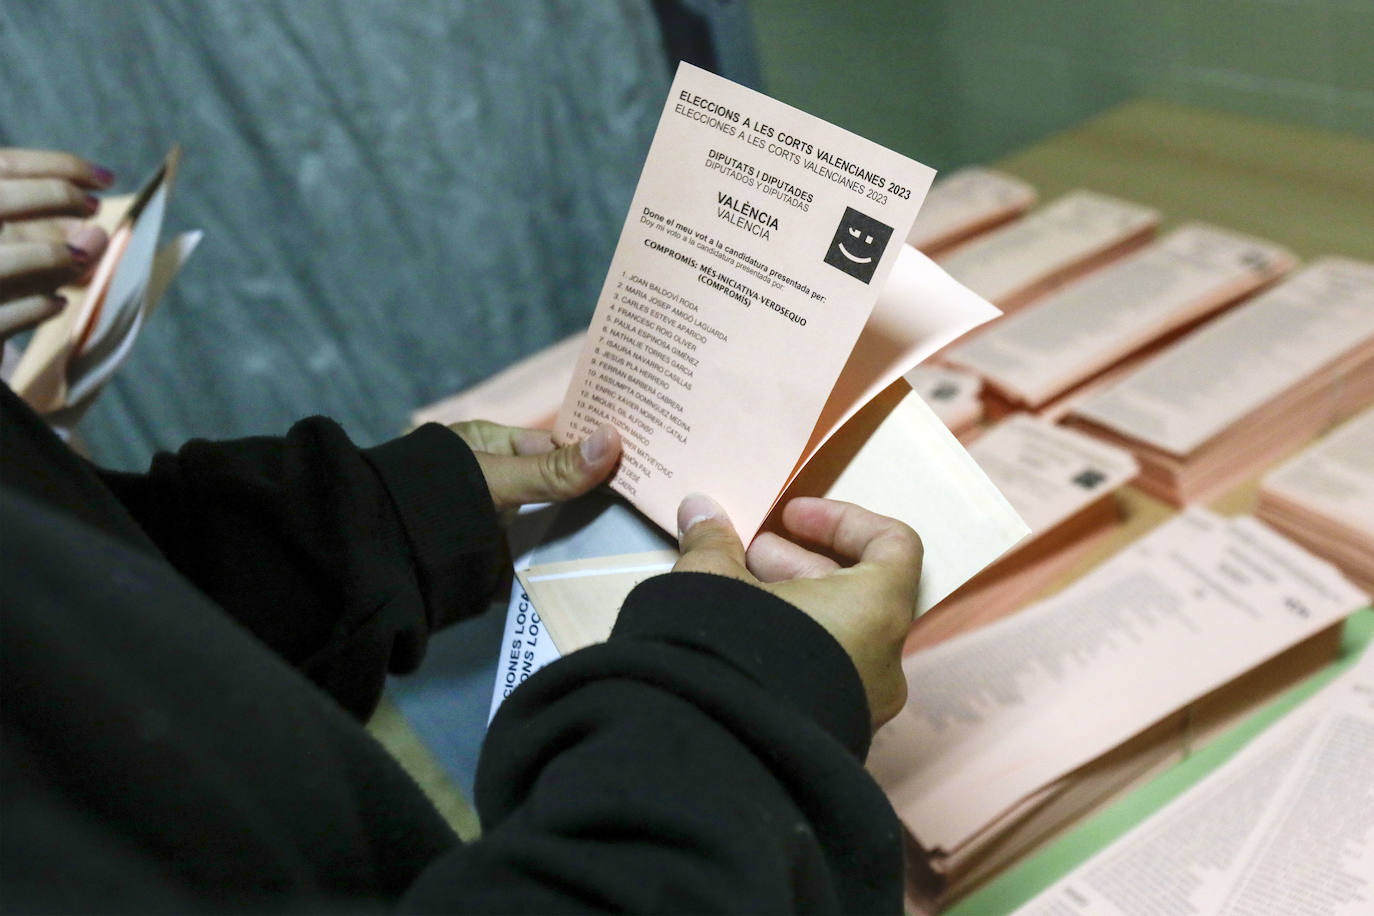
757,317
1248,386
1016,729
72,356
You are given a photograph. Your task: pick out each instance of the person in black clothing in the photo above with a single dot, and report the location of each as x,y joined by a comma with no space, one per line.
186,655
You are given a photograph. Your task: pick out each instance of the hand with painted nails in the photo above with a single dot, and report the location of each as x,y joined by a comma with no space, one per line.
524,466
852,571
45,196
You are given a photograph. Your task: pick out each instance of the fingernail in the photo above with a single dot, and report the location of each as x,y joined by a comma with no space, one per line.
595,446
79,255
696,507
87,238
58,303
92,203
102,175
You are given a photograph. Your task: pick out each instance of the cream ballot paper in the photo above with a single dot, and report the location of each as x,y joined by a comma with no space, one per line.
757,242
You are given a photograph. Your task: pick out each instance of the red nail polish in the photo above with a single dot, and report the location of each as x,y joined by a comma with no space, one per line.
102,175
79,255
92,203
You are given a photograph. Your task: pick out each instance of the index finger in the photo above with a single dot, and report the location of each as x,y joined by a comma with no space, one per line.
35,198
42,163
855,533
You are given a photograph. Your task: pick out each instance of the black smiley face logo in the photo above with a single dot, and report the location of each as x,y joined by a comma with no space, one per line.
867,244
859,243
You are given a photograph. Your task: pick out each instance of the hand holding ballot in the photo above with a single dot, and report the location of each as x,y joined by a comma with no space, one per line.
867,605
43,243
111,270
523,466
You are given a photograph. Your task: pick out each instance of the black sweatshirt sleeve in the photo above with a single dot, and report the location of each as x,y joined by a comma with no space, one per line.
154,756
707,758
343,560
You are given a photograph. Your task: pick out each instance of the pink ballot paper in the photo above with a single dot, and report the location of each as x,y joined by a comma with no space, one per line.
757,242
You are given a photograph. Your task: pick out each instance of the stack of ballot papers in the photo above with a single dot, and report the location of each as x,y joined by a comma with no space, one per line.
1015,729
963,204
1323,498
1062,484
1071,336
953,394
1068,237
1285,826
71,356
1248,386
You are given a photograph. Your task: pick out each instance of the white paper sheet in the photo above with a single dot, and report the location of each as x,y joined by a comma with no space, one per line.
1285,827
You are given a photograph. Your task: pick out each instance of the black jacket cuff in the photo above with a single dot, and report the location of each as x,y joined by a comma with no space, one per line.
771,641
448,517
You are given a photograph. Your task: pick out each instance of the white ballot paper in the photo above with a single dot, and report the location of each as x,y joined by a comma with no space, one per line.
757,242
1000,713
1285,827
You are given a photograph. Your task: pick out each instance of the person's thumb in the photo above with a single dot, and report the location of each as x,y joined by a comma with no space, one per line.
552,476
708,540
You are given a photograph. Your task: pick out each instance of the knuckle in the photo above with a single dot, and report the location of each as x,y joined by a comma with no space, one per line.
900,694
67,193
56,255
907,534
907,539
558,473
69,164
